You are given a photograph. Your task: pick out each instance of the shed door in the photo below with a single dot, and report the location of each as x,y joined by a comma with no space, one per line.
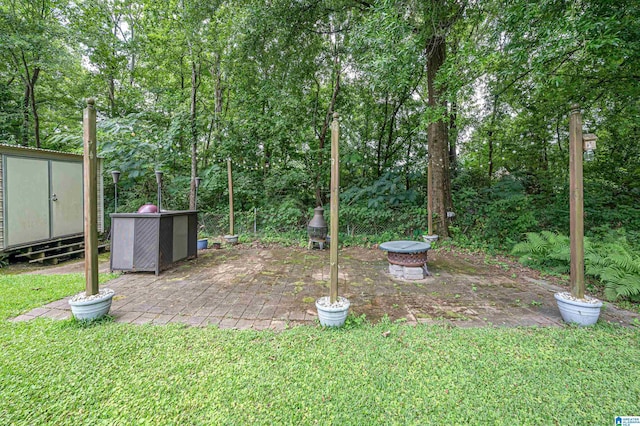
67,214
27,200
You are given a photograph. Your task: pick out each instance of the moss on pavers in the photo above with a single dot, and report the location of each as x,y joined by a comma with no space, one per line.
224,287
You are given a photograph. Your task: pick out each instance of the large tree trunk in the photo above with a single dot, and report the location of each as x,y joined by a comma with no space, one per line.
438,140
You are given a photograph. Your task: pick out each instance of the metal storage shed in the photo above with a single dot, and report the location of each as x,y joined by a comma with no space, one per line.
41,197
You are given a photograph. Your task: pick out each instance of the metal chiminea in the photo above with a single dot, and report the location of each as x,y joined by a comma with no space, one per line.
317,228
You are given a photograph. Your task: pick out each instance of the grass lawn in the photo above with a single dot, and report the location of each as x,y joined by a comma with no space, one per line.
65,372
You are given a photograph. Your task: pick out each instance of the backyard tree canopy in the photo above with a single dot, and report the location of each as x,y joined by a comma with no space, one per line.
482,88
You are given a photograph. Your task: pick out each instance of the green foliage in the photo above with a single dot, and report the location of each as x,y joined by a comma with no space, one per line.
387,191
617,265
21,292
254,82
287,215
498,215
546,250
614,263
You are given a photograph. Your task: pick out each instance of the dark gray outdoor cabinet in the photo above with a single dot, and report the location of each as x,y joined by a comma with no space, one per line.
152,241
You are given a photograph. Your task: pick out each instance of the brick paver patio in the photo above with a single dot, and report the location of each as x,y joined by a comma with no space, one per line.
273,288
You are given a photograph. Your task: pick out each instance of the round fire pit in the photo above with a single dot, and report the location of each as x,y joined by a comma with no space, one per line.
407,259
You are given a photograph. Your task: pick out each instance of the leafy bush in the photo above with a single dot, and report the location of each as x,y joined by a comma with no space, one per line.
499,215
614,263
363,220
388,191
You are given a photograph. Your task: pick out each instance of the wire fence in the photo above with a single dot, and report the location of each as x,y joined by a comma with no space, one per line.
258,222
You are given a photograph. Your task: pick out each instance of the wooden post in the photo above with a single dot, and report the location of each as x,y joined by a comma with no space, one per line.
576,203
335,195
230,178
429,198
90,176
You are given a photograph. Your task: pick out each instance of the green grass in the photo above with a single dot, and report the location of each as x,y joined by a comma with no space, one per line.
19,293
65,372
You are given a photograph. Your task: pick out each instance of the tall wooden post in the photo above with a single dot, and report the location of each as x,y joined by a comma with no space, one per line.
90,176
230,178
335,198
429,197
576,203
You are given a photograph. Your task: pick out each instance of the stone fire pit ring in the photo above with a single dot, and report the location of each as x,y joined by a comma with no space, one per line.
407,259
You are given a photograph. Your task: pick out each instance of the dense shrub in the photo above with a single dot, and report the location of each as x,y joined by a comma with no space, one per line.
499,215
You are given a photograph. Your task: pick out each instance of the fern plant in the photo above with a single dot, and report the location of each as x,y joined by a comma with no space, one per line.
615,264
546,250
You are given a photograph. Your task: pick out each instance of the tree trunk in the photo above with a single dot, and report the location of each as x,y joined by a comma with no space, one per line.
194,135
382,131
323,133
30,81
112,95
453,136
438,142
25,115
34,106
494,116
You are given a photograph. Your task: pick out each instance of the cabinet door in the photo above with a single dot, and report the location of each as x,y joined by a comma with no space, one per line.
67,214
26,200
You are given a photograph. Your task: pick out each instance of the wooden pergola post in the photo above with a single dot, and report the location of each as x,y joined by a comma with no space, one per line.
429,197
335,195
230,179
576,203
90,177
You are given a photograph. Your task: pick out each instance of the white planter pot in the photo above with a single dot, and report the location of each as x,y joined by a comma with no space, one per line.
332,315
576,311
92,307
430,238
231,239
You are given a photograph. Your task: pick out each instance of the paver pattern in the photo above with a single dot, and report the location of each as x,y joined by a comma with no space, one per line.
249,287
